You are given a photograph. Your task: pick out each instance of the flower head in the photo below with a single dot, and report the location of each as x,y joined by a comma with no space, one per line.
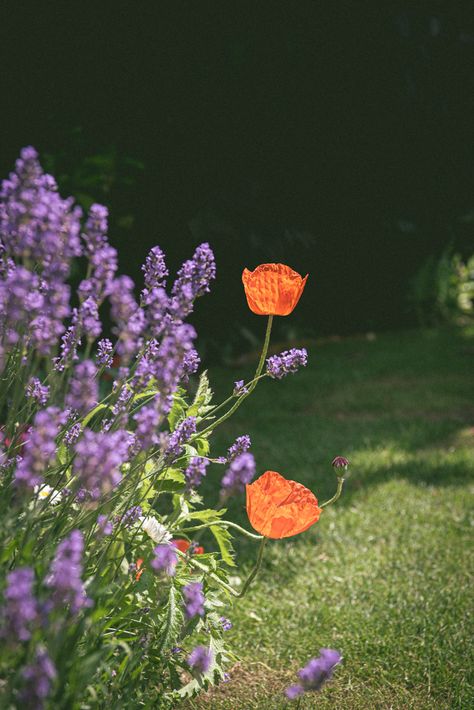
280,508
194,599
273,289
195,472
200,659
165,559
316,672
155,530
38,677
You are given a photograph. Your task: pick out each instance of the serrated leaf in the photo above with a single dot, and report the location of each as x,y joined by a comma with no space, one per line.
173,622
203,397
224,541
178,409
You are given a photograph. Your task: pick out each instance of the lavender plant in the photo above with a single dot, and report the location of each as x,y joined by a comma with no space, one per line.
102,453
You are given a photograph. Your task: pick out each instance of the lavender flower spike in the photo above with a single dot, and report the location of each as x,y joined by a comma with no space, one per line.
240,472
195,472
287,362
21,608
65,574
38,676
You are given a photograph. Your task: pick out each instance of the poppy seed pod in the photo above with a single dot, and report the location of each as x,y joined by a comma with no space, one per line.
273,289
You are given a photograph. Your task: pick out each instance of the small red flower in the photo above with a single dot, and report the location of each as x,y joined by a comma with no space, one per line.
184,545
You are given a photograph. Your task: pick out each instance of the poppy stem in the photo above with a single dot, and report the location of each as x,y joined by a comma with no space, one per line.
252,386
340,483
255,570
224,523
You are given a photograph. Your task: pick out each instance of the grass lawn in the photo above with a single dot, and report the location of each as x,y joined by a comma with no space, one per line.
385,577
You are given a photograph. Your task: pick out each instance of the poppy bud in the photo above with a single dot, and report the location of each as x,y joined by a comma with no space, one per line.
340,462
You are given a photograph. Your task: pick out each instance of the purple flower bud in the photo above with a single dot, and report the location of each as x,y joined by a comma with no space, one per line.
104,525
180,436
239,388
225,623
316,672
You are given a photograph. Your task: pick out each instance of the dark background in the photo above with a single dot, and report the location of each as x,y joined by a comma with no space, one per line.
334,136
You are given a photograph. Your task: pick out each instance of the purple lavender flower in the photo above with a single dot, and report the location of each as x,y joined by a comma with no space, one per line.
239,388
70,341
155,269
73,434
192,281
35,390
104,353
200,659
147,420
191,363
165,559
225,623
38,677
83,388
102,257
194,599
240,472
129,517
180,436
195,472
104,525
287,362
156,302
316,672
99,456
127,315
21,608
240,446
65,574
164,361
88,316
40,448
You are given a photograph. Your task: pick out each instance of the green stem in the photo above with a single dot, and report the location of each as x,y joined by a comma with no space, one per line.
255,570
256,377
224,523
340,483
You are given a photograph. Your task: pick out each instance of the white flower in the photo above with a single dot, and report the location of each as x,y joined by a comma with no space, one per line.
155,530
48,494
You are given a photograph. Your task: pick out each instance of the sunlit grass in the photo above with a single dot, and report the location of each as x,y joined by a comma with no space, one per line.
386,576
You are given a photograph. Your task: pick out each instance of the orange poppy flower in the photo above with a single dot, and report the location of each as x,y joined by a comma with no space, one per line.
140,569
280,508
273,289
183,546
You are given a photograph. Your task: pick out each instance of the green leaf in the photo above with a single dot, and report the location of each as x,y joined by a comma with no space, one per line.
203,398
178,410
173,622
224,541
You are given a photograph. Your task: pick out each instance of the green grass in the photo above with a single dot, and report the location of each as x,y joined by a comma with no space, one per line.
385,576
